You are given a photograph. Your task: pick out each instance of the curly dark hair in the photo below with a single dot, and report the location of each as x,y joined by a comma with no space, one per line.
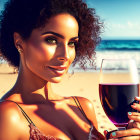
23,16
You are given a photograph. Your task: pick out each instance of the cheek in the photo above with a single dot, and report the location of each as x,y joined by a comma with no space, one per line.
41,53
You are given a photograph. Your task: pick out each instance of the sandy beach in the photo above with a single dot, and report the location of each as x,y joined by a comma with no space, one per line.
83,84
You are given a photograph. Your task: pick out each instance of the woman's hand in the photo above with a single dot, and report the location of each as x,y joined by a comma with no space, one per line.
135,116
133,129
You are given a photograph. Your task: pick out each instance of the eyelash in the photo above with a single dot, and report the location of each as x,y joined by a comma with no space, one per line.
75,43
49,39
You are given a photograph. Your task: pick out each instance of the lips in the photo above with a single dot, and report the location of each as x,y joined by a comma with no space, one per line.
58,70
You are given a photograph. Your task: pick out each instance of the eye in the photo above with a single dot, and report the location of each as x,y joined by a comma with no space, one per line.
51,40
72,43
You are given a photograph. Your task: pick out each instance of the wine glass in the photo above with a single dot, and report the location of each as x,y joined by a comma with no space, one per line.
118,85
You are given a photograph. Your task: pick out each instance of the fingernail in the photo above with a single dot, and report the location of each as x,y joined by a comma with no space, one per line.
129,113
113,134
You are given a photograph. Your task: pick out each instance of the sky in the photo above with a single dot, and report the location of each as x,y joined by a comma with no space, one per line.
121,17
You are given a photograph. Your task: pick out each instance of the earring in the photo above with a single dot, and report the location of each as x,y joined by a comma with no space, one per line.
19,49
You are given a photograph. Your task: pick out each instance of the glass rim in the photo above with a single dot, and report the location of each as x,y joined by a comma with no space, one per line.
118,59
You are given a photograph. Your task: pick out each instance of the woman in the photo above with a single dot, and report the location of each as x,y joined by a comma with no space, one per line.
42,38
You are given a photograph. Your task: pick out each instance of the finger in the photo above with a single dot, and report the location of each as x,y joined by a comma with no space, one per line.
134,113
108,133
123,133
134,116
130,138
136,106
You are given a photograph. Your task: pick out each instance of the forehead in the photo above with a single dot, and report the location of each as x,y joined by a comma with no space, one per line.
64,24
63,18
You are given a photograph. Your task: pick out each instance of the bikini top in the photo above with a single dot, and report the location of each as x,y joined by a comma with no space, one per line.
36,134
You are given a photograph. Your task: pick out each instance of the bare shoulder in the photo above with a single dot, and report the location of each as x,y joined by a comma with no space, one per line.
9,112
89,110
86,102
9,119
6,106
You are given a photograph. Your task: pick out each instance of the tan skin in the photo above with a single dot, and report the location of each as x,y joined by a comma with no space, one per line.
44,58
51,47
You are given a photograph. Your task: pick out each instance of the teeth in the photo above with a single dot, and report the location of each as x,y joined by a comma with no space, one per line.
60,70
57,69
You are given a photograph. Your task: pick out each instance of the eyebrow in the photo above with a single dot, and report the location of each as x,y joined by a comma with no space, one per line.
56,34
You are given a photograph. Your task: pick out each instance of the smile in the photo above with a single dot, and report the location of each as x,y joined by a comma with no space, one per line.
58,70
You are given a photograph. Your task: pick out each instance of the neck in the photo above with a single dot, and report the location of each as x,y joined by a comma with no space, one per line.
32,88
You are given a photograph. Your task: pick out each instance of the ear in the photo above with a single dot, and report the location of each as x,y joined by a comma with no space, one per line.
18,41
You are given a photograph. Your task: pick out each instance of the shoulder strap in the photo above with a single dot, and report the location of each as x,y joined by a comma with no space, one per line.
23,112
80,108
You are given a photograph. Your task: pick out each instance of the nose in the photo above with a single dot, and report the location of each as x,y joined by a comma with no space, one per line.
63,53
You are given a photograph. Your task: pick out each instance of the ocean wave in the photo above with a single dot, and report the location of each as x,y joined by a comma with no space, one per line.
113,54
118,45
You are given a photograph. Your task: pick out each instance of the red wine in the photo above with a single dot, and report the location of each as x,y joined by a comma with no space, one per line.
117,99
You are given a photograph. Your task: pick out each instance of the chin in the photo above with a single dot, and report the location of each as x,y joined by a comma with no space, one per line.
56,80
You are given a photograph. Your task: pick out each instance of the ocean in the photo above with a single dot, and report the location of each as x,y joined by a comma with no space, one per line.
119,45
118,49
115,49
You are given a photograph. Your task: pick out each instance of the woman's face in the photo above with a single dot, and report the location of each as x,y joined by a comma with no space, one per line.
49,51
